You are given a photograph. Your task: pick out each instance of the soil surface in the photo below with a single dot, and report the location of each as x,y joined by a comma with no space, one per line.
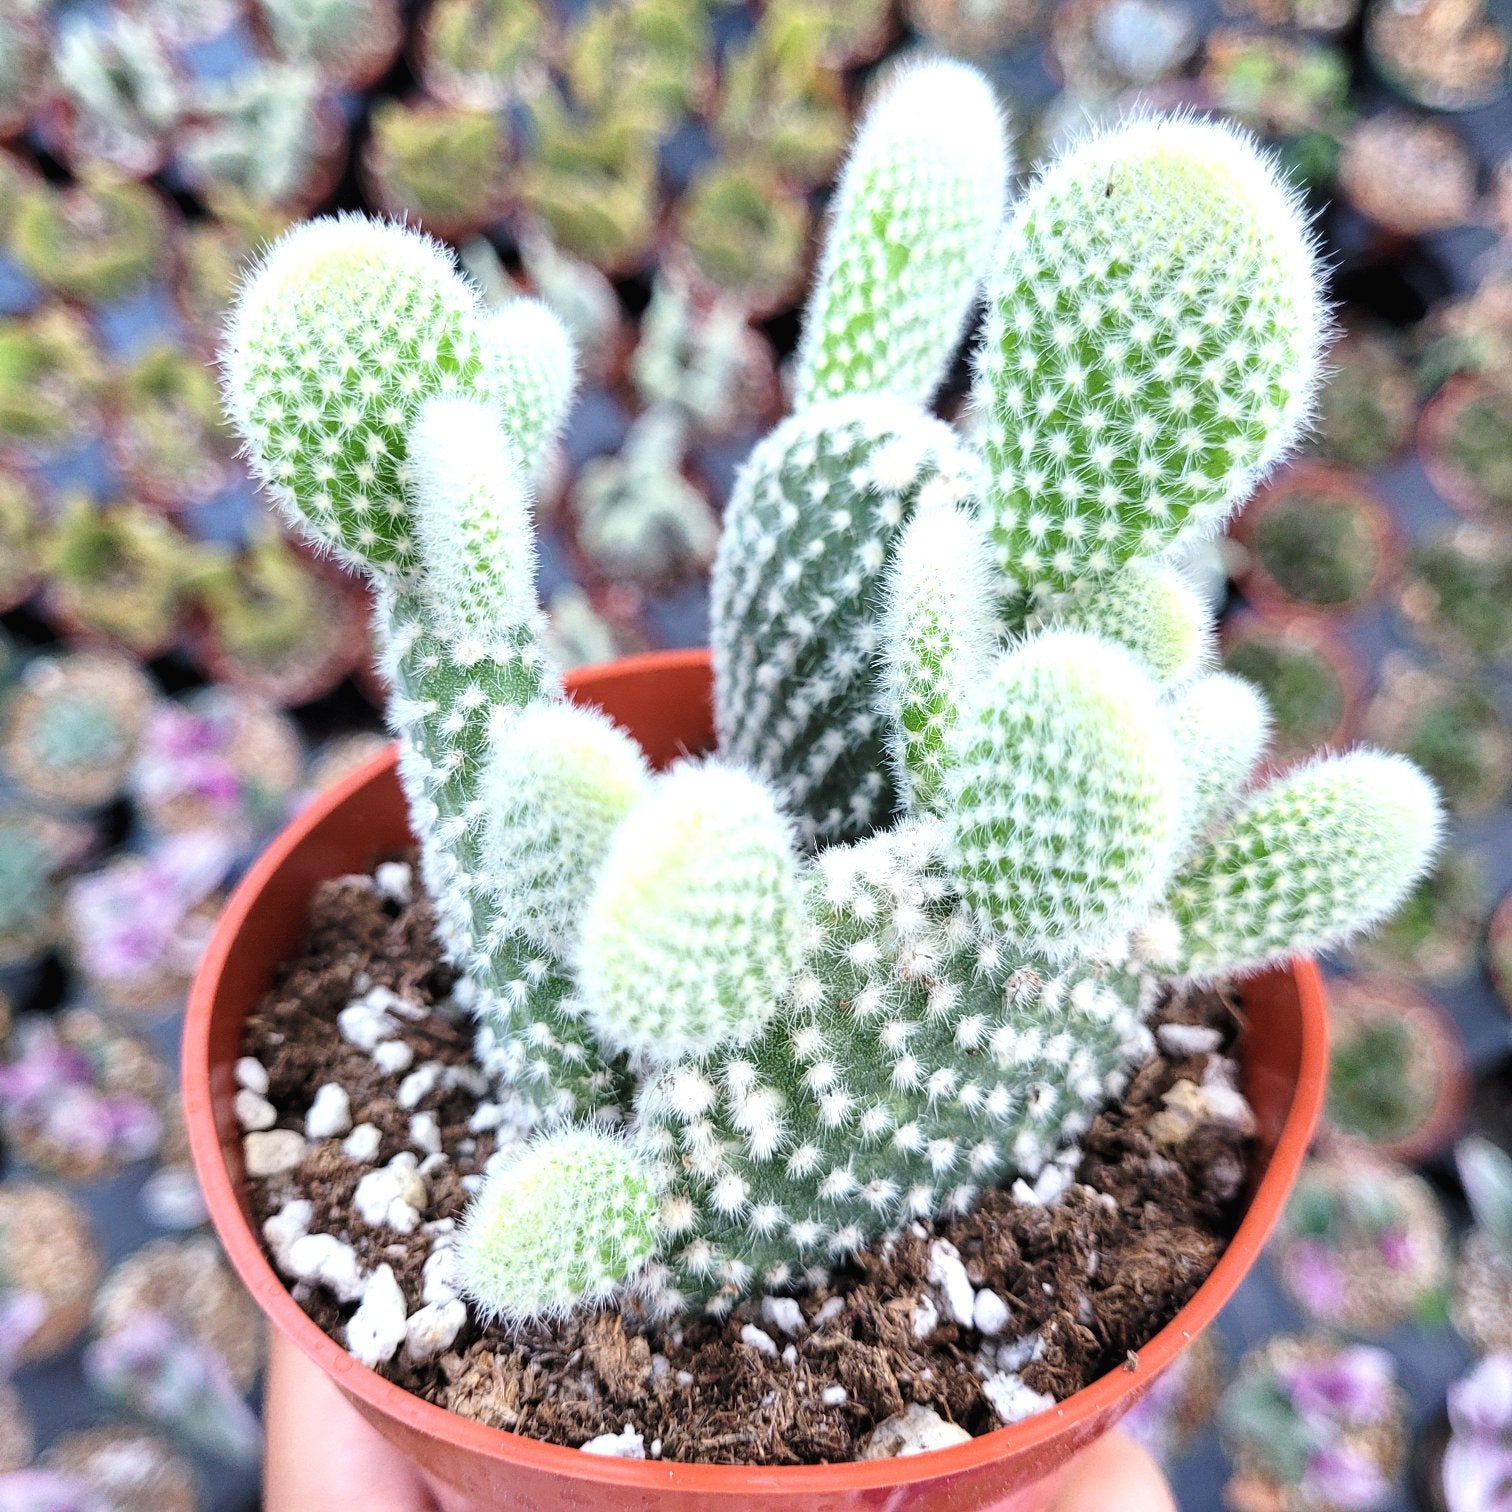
1084,1279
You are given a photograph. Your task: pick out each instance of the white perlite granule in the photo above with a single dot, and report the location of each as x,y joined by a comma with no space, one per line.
628,1444
376,1330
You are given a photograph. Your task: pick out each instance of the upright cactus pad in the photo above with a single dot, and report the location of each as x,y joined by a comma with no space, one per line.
529,358
1151,347
562,1224
694,929
1220,725
913,223
1320,854
340,333
797,590
1062,794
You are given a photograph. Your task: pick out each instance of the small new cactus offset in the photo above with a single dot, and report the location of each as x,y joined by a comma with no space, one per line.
976,793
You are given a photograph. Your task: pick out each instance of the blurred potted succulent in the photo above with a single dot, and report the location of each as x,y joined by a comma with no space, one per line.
1476,1471
20,537
485,54
96,242
973,28
1101,49
1455,589
1499,950
1308,677
1397,1081
649,62
1006,847
49,384
1452,729
1315,537
35,852
1482,1304
216,252
351,43
1434,936
1367,407
119,574
1314,1425
166,435
1463,446
23,69
446,167
1441,54
49,1268
1408,174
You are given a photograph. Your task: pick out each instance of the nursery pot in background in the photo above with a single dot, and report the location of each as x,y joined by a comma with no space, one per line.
664,699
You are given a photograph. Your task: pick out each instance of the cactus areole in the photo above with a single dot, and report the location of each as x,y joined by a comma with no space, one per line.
977,793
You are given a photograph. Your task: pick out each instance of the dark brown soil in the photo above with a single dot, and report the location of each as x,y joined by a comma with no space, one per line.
1097,1274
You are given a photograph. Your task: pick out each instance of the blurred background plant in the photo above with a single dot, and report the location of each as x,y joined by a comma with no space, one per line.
176,676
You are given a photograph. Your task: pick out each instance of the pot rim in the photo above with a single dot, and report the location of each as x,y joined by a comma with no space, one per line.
244,1248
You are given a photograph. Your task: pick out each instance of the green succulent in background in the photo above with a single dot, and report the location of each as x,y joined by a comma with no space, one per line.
638,518
260,136
215,255
483,54
745,233
348,41
1455,591
1319,545
1478,443
116,75
20,540
972,28
1433,937
1453,730
23,69
50,374
119,572
1367,404
849,32
169,437
593,182
649,61
446,167
96,242
1309,696
35,851
778,104
1389,1063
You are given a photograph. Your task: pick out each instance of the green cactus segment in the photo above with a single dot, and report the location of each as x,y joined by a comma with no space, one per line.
798,590
569,1221
937,637
1220,724
1062,792
448,712
1151,347
342,331
530,358
695,927
560,782
471,521
1314,858
914,222
1153,613
912,1067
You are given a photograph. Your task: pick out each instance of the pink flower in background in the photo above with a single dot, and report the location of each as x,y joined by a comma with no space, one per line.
1477,1475
1349,1385
1345,1477
48,1491
1316,1277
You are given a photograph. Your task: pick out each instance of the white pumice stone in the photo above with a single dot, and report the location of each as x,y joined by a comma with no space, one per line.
1019,1352
989,1313
758,1339
386,1000
829,1310
434,1162
171,1199
272,1152
330,1114
1011,1399
252,1075
1188,1039
432,1330
376,1330
949,1275
626,1445
789,1354
326,1261
362,1143
914,1431
425,1133
363,1025
281,1229
394,1195
393,1056
926,1317
784,1314
419,1084
253,1110
833,1396
395,880
438,1276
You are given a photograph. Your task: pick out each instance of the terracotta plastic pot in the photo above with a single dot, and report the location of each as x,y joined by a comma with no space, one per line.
664,698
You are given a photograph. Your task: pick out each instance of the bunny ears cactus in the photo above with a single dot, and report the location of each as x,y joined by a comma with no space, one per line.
975,788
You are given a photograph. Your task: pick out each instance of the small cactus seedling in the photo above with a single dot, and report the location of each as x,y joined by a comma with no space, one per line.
651,59
49,384
96,242
350,42
1455,590
168,436
484,53
976,790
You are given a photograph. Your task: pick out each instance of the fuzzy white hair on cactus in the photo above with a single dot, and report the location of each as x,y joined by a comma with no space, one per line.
560,782
1306,863
695,925
937,638
1221,726
530,358
564,1223
471,511
1152,346
913,222
1062,793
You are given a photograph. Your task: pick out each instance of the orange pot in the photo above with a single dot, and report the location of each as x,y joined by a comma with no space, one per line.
664,699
